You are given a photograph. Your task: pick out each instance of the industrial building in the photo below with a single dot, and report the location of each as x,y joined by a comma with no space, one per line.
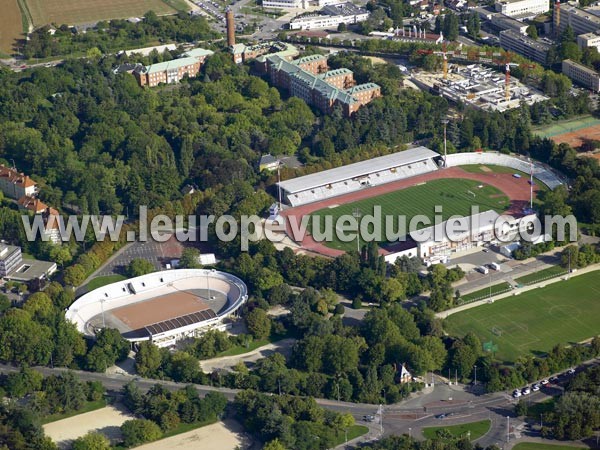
522,8
581,75
524,45
330,17
479,87
310,79
503,22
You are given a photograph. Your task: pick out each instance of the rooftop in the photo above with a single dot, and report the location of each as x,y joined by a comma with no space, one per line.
583,14
580,67
32,269
343,9
6,250
526,40
336,72
309,59
362,88
358,169
474,224
20,179
169,65
198,53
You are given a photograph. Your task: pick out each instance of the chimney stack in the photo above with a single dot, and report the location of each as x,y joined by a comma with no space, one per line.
230,27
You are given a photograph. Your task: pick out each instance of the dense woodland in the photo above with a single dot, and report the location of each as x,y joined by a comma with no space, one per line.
117,35
97,143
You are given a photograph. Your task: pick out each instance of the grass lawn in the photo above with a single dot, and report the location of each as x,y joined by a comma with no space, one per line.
541,275
477,430
89,406
482,293
353,432
453,194
97,282
533,322
539,446
478,168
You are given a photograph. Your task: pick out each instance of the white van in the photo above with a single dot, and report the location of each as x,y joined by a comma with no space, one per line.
484,270
495,266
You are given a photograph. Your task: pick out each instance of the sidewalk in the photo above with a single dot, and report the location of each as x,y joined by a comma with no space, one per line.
449,312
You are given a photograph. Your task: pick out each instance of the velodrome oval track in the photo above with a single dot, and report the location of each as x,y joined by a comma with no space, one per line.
516,189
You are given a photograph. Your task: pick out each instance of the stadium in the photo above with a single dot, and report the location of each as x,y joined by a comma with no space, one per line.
162,307
416,171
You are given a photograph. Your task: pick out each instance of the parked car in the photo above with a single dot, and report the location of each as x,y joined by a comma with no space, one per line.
369,418
535,387
440,416
571,371
516,393
544,382
526,391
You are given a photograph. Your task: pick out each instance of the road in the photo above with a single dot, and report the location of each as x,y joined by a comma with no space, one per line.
408,417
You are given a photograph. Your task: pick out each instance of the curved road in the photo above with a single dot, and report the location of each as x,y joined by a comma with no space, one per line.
407,417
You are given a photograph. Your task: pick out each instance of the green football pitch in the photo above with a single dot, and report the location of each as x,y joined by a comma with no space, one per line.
563,312
455,195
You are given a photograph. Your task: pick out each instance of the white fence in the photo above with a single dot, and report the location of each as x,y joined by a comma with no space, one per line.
540,171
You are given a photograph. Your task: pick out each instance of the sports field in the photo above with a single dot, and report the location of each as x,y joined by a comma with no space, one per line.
564,312
573,132
72,12
456,195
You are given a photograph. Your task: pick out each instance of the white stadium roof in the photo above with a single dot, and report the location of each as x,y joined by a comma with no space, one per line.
358,169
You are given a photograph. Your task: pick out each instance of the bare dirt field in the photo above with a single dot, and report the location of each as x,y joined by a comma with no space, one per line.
105,420
11,27
576,138
226,435
72,12
138,315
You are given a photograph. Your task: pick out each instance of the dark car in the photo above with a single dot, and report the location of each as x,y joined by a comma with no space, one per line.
440,416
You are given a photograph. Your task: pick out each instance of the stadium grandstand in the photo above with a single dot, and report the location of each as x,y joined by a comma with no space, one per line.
540,171
353,177
162,307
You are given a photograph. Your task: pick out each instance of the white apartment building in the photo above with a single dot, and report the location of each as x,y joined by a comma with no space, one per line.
580,20
522,8
10,258
330,17
283,3
588,40
582,75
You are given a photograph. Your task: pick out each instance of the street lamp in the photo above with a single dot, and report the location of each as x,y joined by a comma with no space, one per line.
475,382
409,432
445,122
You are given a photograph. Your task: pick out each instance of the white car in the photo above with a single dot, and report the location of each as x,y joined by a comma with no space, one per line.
516,393
525,391
571,371
544,382
535,387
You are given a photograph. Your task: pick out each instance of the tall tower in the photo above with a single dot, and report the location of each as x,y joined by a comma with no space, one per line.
230,27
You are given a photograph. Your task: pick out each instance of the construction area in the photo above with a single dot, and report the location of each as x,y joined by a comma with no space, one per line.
478,86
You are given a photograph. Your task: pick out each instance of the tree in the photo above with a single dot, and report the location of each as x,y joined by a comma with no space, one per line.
4,303
342,27
275,444
60,254
258,323
109,348
148,359
532,31
190,259
91,441
138,267
138,431
74,275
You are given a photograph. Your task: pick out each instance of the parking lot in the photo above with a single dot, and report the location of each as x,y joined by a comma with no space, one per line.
158,253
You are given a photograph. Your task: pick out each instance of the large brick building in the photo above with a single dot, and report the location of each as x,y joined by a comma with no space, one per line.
172,71
310,79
